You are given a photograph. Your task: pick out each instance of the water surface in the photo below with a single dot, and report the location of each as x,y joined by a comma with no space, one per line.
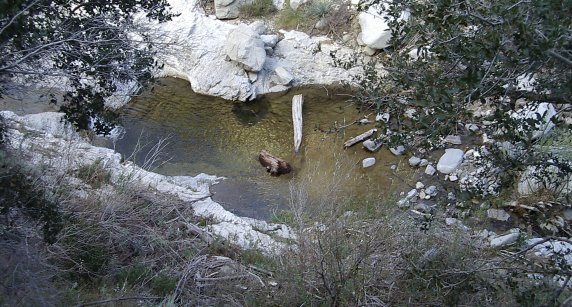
215,136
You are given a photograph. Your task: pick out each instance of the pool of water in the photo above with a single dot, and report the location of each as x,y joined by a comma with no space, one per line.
215,136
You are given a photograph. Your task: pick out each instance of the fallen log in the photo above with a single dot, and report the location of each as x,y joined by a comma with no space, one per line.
359,138
274,165
297,102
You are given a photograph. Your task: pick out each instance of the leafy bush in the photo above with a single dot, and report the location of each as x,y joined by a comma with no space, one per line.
257,8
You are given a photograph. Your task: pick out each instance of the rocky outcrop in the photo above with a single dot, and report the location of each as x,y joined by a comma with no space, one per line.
195,50
244,46
48,143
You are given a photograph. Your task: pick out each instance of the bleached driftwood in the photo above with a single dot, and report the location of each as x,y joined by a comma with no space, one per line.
297,102
359,138
274,165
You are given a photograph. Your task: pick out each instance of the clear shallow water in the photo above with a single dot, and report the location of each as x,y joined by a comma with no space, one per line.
215,136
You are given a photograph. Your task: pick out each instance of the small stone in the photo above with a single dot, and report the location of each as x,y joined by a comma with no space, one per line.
453,178
424,162
398,151
364,121
411,194
498,214
451,196
270,40
372,145
369,51
451,221
453,139
430,170
367,162
410,113
568,214
472,127
504,240
414,161
422,207
252,76
273,283
419,185
431,190
403,203
346,38
393,167
422,195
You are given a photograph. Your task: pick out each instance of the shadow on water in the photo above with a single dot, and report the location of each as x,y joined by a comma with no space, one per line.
215,136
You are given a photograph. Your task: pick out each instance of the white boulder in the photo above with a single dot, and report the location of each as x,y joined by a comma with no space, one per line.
244,45
450,160
283,76
367,162
543,112
375,31
227,9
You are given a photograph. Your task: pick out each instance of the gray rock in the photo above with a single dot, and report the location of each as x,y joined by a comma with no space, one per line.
295,4
369,51
450,160
284,77
414,161
430,170
568,214
431,190
270,40
498,214
398,151
423,195
364,121
244,46
321,24
419,185
423,207
453,139
472,127
412,193
504,240
453,178
258,26
367,162
423,162
372,145
252,76
227,9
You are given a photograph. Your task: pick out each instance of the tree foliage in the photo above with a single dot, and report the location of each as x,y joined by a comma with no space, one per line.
453,53
93,47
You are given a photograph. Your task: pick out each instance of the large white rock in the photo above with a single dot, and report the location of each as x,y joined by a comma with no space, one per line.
450,160
367,162
227,9
375,31
283,76
543,112
244,45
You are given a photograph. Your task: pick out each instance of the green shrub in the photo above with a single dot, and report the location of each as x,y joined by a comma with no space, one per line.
133,274
257,8
319,8
289,18
94,174
163,284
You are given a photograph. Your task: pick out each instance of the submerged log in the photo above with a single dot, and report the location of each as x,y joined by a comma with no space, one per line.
274,165
297,102
359,138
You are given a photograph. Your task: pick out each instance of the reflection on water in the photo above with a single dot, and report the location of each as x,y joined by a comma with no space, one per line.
219,137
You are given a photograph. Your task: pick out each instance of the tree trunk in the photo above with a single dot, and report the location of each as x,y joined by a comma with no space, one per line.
274,165
359,138
297,102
